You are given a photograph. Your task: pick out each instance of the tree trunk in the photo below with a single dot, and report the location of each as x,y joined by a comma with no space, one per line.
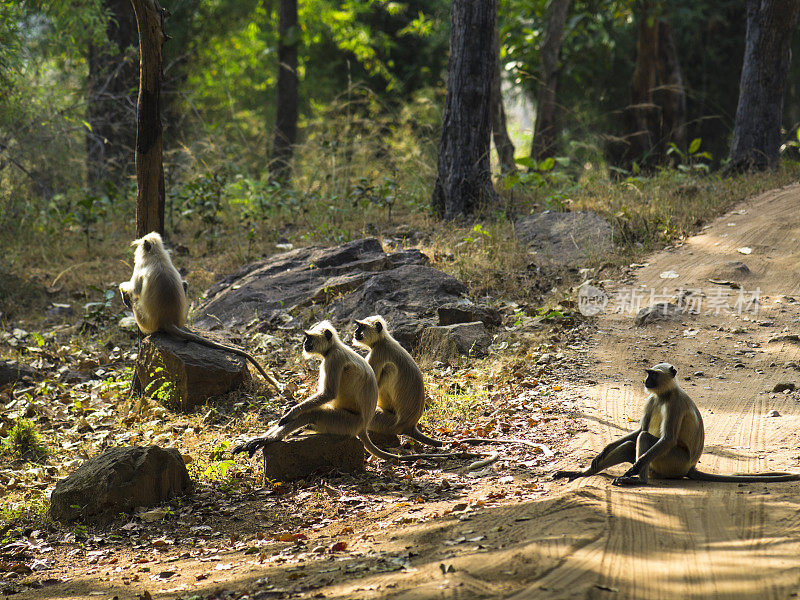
502,143
757,130
110,100
656,115
149,166
545,135
285,136
670,94
464,181
641,115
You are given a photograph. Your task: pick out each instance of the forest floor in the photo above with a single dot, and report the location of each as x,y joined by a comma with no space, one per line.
509,531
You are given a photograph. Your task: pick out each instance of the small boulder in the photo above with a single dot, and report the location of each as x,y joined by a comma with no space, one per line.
119,480
445,342
302,456
658,312
452,314
183,374
11,371
783,387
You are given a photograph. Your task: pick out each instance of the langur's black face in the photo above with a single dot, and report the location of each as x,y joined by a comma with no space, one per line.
308,343
359,334
652,379
659,376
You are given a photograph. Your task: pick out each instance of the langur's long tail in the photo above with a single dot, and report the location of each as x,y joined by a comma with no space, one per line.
375,451
193,337
755,478
416,434
544,449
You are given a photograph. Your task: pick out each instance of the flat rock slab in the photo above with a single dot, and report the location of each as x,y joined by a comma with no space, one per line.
445,342
119,480
565,238
351,281
302,456
184,374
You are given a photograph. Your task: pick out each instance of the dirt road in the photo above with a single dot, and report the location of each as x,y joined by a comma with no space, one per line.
674,539
686,539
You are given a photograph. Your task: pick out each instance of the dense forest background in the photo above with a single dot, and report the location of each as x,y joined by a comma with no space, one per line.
371,92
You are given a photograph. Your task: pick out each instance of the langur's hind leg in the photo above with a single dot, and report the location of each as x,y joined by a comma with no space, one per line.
335,421
277,432
610,456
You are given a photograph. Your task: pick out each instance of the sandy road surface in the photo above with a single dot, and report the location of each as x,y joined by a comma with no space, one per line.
687,539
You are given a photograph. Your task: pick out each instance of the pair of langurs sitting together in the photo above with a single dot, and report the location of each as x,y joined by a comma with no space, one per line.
385,393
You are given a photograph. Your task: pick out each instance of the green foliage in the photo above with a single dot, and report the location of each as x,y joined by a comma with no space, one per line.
692,159
24,442
98,312
162,389
222,467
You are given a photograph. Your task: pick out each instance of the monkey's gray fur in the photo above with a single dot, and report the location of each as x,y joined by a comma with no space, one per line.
668,442
401,389
156,293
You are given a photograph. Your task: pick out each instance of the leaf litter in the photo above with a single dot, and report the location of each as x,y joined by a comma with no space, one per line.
310,530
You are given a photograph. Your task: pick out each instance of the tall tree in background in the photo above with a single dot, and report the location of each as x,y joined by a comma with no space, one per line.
285,136
502,143
111,97
545,133
149,166
757,130
464,181
656,114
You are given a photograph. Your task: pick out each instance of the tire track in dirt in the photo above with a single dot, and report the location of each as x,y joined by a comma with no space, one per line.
689,539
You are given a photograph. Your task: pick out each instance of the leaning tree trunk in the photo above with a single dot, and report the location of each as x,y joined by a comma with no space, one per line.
757,130
149,166
464,180
545,133
285,136
110,100
502,143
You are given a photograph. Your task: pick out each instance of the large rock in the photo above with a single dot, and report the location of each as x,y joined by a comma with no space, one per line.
119,480
183,374
302,456
351,281
448,341
566,238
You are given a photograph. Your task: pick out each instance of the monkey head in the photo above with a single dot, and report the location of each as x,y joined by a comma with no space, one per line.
147,246
319,339
369,331
660,377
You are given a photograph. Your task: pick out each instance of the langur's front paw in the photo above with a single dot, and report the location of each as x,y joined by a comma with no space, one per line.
627,480
252,445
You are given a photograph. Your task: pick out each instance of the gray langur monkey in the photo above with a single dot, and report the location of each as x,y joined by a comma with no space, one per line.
344,403
668,442
156,293
401,389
